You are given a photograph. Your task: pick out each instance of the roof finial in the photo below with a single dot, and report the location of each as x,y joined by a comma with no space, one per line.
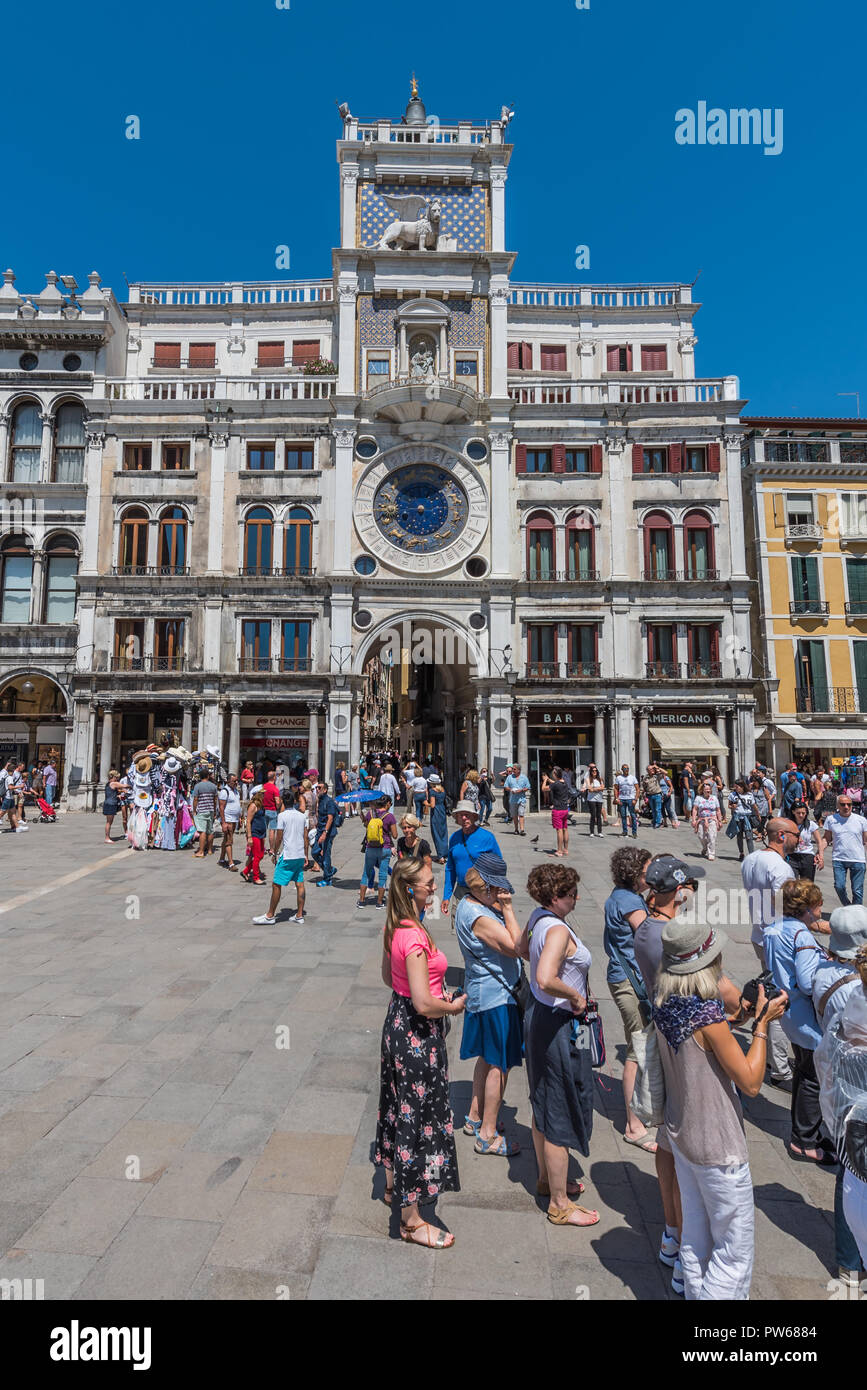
414,89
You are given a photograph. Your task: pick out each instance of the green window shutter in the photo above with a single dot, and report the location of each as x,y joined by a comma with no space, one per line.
860,660
818,668
856,574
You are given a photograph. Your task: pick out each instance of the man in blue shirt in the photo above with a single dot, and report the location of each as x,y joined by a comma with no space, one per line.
465,846
327,812
517,785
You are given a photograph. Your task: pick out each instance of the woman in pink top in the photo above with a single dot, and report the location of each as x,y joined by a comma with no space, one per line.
414,1133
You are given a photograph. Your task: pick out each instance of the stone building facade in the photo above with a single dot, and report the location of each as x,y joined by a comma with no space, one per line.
512,506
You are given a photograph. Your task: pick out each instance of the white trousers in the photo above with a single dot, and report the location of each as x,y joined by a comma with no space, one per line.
707,831
855,1211
718,1236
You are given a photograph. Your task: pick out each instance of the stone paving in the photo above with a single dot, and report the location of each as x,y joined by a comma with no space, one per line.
156,1143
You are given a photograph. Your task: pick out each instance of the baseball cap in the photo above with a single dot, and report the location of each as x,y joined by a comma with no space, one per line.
667,873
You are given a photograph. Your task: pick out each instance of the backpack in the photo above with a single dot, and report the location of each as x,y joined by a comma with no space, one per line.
375,834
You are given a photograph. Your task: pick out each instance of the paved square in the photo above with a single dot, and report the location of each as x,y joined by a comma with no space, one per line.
156,1142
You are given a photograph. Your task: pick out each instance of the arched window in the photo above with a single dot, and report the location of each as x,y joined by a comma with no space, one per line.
133,550
658,547
540,546
26,443
258,541
299,542
69,444
173,541
17,580
580,547
699,561
61,570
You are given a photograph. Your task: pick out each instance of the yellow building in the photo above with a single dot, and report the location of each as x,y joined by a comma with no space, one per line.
805,484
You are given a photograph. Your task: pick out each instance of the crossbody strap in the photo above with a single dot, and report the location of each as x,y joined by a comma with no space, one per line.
823,1002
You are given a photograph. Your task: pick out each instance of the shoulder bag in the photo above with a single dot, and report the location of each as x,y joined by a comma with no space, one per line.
520,992
648,1097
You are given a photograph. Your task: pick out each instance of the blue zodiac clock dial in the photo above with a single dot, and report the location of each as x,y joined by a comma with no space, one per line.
420,509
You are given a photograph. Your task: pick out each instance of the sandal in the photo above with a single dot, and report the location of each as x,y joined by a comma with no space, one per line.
645,1142
442,1240
473,1126
574,1188
561,1216
799,1154
501,1147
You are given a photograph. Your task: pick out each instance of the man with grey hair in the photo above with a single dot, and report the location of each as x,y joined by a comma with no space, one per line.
846,832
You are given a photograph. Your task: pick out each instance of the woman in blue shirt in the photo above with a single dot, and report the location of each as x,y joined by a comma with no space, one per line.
793,957
625,910
488,934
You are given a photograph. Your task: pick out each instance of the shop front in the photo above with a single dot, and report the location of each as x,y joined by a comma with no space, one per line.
32,728
141,725
678,736
557,737
811,745
281,739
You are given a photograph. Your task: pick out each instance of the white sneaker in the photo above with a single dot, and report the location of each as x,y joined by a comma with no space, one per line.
20,829
296,918
264,921
669,1249
677,1277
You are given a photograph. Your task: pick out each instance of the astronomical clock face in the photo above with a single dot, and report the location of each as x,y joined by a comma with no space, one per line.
421,509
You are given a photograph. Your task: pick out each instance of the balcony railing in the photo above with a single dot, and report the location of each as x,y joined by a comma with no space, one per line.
288,665
856,608
159,571
253,292
694,575
797,451
662,670
658,573
583,670
530,389
148,663
543,670
804,531
296,387
433,385
809,608
602,296
835,699
560,576
275,572
704,670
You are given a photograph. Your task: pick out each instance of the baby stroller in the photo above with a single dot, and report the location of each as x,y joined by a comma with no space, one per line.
47,812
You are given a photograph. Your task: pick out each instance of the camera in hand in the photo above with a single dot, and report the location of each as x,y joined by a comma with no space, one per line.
750,991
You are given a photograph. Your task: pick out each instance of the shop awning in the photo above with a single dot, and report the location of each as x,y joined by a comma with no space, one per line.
825,735
679,741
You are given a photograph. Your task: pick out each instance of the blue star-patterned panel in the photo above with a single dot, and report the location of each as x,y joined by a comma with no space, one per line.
420,508
462,212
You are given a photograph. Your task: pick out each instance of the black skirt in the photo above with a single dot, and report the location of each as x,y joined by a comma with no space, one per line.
560,1076
415,1131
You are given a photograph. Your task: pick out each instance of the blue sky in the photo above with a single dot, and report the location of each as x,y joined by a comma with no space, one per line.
237,152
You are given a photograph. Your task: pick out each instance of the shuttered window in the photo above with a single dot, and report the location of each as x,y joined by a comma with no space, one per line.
520,356
553,358
270,355
203,355
805,578
619,359
167,354
304,352
654,359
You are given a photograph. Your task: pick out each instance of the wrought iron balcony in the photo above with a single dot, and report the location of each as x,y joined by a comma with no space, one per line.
275,572
159,571
148,663
280,665
696,575
856,608
583,670
662,670
804,531
659,574
543,670
809,608
704,670
832,699
561,576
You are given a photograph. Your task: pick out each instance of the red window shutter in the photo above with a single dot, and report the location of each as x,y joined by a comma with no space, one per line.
270,355
513,355
654,359
553,359
527,356
558,458
629,359
637,459
596,459
521,458
167,354
203,354
305,352
613,359
713,458
675,458
714,644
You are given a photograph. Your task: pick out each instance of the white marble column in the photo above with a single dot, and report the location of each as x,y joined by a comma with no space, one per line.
95,438
4,447
106,752
722,762
344,446
37,589
187,728
234,758
45,455
481,736
313,736
643,741
355,735
599,714
523,747
219,449
501,477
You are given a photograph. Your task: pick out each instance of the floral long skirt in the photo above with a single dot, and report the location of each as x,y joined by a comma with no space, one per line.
415,1132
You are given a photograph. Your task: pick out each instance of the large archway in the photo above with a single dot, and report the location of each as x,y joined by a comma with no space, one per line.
419,674
33,718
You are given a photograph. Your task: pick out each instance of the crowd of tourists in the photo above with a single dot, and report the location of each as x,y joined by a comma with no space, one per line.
23,787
